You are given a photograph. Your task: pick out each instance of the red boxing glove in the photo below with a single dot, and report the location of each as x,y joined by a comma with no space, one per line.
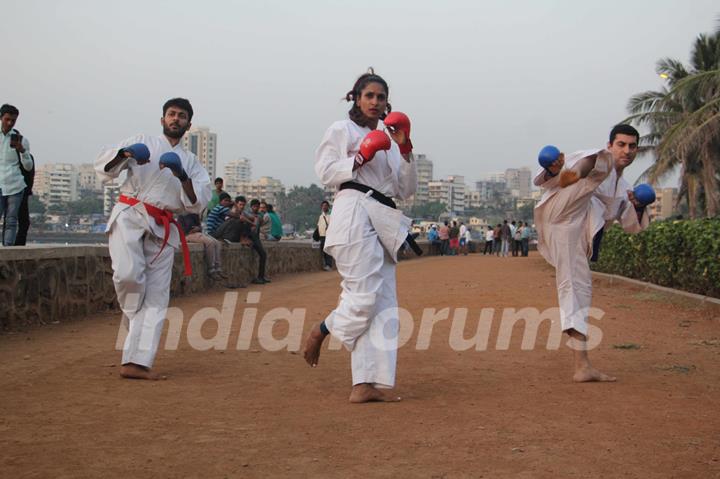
374,141
397,121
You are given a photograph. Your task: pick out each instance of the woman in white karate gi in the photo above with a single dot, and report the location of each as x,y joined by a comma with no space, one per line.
366,233
587,196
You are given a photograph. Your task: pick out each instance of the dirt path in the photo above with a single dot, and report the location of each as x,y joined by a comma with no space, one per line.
495,413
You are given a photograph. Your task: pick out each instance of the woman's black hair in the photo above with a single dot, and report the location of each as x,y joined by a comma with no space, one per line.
355,113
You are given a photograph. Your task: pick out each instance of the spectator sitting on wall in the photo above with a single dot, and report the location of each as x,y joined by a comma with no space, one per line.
263,221
218,213
192,228
276,229
235,226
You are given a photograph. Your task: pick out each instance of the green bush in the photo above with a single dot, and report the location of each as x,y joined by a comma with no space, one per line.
678,254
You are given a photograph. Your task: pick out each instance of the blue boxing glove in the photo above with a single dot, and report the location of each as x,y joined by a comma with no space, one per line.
138,151
644,194
172,160
548,156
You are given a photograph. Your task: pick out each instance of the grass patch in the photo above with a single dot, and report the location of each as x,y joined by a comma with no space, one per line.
651,296
667,298
626,346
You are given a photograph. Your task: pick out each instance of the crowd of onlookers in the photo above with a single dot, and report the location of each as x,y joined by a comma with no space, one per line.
229,221
453,238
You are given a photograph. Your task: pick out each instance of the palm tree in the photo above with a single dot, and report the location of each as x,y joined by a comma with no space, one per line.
684,124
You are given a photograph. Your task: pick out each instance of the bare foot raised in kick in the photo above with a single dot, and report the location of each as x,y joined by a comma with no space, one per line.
135,371
590,374
313,343
580,170
364,392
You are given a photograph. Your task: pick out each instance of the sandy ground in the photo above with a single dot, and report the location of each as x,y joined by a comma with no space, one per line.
64,412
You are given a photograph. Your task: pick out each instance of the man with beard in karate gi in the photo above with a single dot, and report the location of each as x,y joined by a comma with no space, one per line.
162,179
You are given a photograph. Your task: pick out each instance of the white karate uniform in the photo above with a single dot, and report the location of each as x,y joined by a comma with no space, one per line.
568,218
143,285
364,237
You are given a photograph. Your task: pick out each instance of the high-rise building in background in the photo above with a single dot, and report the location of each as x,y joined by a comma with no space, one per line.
237,174
495,177
56,183
473,199
111,192
264,188
519,181
491,191
424,177
203,143
665,201
457,193
450,191
88,180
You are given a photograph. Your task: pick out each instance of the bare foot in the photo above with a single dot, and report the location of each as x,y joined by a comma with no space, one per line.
362,393
134,371
313,343
590,374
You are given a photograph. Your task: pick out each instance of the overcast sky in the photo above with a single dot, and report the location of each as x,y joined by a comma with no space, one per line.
485,83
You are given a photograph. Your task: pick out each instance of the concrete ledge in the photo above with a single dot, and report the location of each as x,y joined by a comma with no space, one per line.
664,289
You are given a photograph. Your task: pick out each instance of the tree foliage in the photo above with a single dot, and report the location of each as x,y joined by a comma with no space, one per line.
84,206
428,211
683,119
300,206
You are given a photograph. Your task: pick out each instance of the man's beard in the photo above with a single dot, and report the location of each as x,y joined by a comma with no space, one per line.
173,134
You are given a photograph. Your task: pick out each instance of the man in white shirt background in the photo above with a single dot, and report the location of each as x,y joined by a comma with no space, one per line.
14,152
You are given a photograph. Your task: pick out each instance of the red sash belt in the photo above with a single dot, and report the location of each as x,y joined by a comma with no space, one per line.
163,218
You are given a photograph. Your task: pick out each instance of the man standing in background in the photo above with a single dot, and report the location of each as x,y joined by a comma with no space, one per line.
14,158
217,191
322,226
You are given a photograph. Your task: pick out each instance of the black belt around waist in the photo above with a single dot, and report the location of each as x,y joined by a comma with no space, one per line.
376,195
385,200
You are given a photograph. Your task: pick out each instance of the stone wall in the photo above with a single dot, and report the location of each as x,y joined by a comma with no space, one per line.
47,283
42,284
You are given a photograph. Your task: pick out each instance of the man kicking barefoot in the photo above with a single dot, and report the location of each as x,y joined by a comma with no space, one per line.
365,234
580,201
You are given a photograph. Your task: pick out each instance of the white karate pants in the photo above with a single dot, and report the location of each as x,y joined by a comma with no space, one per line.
142,287
366,318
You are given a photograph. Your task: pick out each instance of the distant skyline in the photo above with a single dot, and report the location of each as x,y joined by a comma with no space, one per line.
486,84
